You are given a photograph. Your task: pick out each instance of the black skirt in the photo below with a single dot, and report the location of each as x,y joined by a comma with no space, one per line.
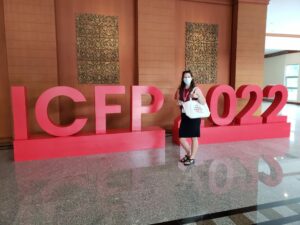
189,127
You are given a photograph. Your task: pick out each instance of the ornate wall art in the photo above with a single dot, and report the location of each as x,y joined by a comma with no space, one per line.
201,42
97,49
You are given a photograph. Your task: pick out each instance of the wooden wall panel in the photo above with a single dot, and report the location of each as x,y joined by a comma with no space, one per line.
66,11
211,13
161,46
157,55
250,44
5,112
219,14
31,50
41,50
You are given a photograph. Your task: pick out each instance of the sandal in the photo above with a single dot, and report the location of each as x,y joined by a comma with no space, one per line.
185,158
189,162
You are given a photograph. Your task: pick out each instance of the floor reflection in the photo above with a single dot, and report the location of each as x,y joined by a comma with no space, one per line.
147,187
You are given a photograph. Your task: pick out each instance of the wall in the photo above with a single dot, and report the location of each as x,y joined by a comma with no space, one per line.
66,11
161,44
31,50
248,44
219,13
41,50
248,48
5,112
275,69
157,55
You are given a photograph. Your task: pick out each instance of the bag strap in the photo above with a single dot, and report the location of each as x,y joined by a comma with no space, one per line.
194,89
190,99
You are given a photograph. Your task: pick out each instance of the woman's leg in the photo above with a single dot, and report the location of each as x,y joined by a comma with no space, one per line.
185,146
194,147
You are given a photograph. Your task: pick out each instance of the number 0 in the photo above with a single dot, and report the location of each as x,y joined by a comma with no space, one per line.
229,104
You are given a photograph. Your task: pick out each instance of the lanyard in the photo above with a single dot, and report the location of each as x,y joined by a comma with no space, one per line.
186,93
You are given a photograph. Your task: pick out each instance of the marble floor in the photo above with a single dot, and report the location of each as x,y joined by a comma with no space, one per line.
248,182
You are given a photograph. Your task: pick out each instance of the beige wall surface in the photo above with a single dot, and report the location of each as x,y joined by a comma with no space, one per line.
274,71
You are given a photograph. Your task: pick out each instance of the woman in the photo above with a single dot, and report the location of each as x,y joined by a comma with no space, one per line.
189,128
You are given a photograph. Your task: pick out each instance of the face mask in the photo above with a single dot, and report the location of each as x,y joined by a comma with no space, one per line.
187,81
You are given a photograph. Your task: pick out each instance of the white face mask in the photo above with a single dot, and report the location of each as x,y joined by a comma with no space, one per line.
187,81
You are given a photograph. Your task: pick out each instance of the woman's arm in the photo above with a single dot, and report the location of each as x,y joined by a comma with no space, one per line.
200,97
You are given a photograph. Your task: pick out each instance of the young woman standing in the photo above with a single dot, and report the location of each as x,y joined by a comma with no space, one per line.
189,128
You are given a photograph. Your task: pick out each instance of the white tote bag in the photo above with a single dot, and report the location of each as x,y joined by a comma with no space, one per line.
193,109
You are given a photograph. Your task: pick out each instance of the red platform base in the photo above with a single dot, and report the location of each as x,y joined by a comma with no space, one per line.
58,147
219,134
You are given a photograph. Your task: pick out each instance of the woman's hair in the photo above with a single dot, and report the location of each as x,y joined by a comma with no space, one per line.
182,84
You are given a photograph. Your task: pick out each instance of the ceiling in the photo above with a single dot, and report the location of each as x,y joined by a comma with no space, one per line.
283,26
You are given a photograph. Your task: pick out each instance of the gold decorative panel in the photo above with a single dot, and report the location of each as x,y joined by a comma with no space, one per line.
201,42
97,49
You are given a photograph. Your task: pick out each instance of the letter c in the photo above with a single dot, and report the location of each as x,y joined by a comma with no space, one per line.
41,111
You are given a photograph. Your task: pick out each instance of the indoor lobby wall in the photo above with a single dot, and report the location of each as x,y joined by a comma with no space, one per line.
41,50
5,112
157,55
274,72
249,42
161,46
66,12
31,50
208,12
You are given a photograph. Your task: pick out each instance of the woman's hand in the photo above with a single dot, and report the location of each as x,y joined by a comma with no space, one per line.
199,96
195,95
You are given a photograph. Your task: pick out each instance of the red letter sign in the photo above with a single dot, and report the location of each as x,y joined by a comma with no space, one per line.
271,114
41,108
246,116
229,104
101,109
18,96
136,104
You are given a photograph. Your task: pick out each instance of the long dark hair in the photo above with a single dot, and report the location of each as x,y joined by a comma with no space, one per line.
182,84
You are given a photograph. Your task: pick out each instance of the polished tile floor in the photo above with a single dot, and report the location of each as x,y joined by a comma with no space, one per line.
249,182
